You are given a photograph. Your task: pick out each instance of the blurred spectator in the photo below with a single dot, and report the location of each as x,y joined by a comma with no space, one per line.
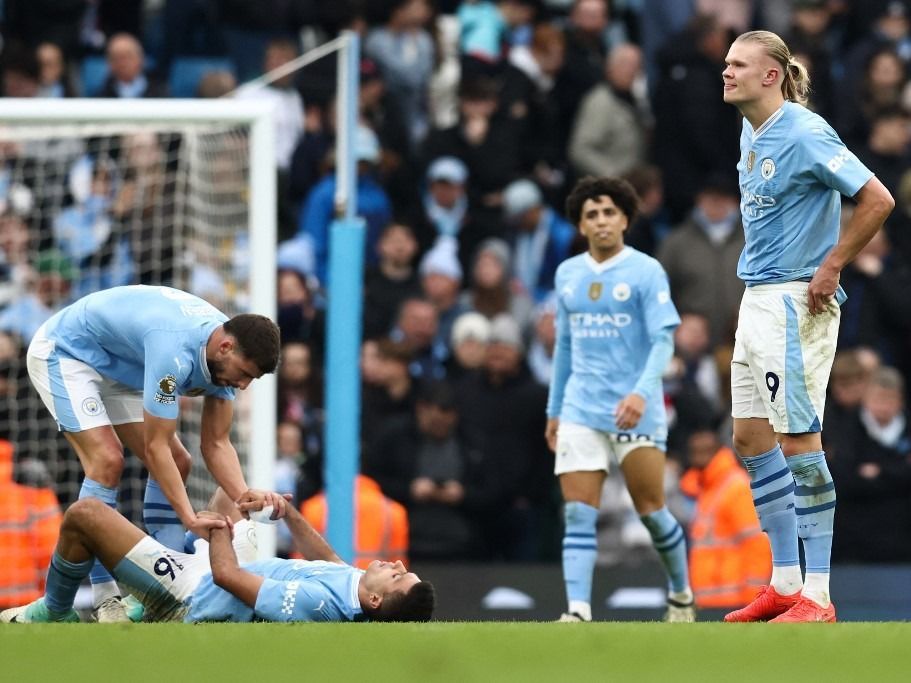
811,43
390,391
486,141
299,316
733,15
288,117
541,238
444,212
505,408
373,205
470,335
84,231
380,523
215,83
30,520
877,314
692,383
382,112
700,257
887,150
50,290
660,20
874,478
653,221
882,24
417,326
527,96
847,385
145,206
15,253
127,77
489,28
609,135
404,50
541,351
730,558
441,279
491,291
424,462
288,107
20,72
391,281
300,392
53,72
586,50
686,99
878,89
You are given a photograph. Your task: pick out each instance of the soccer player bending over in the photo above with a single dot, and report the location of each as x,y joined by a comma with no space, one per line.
793,170
112,369
224,582
615,325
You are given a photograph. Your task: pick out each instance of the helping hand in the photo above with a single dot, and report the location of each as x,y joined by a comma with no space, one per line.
254,499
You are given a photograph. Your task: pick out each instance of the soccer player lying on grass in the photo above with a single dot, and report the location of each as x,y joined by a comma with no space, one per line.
222,581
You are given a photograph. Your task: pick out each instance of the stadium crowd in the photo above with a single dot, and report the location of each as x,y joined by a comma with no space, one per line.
476,117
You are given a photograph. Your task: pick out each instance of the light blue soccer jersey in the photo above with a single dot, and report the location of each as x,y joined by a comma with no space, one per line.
792,171
148,338
607,315
293,590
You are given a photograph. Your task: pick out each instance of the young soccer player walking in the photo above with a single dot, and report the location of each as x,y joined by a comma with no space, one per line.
615,324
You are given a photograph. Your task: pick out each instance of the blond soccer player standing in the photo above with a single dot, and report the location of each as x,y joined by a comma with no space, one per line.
793,170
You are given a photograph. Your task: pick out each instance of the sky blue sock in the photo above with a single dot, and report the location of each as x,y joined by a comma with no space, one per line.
160,520
815,501
92,489
772,487
668,539
580,550
189,540
63,579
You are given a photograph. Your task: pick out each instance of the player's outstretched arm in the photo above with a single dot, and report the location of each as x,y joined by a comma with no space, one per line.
217,450
226,571
307,540
160,463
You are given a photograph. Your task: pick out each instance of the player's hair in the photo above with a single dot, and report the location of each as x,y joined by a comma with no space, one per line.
619,190
795,82
415,605
257,338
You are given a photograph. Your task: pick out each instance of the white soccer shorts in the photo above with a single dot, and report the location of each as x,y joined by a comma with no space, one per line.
76,395
583,449
782,358
163,579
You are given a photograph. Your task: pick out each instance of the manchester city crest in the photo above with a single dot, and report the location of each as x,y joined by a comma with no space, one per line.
622,291
594,291
767,168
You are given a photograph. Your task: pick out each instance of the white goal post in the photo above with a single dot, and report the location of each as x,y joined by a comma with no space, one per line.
248,123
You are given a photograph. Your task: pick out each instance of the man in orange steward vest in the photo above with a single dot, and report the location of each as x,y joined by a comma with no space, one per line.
381,524
29,524
730,557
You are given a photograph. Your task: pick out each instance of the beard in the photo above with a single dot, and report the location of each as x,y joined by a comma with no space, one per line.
216,369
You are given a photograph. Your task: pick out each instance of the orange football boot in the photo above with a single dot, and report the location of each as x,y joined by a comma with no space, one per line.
805,610
767,605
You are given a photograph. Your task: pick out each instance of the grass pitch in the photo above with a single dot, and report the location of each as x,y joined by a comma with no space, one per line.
462,652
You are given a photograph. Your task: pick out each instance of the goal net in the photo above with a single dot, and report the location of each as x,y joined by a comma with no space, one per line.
95,194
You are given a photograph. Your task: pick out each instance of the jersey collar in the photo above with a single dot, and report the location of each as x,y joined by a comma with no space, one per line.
609,263
354,602
768,123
